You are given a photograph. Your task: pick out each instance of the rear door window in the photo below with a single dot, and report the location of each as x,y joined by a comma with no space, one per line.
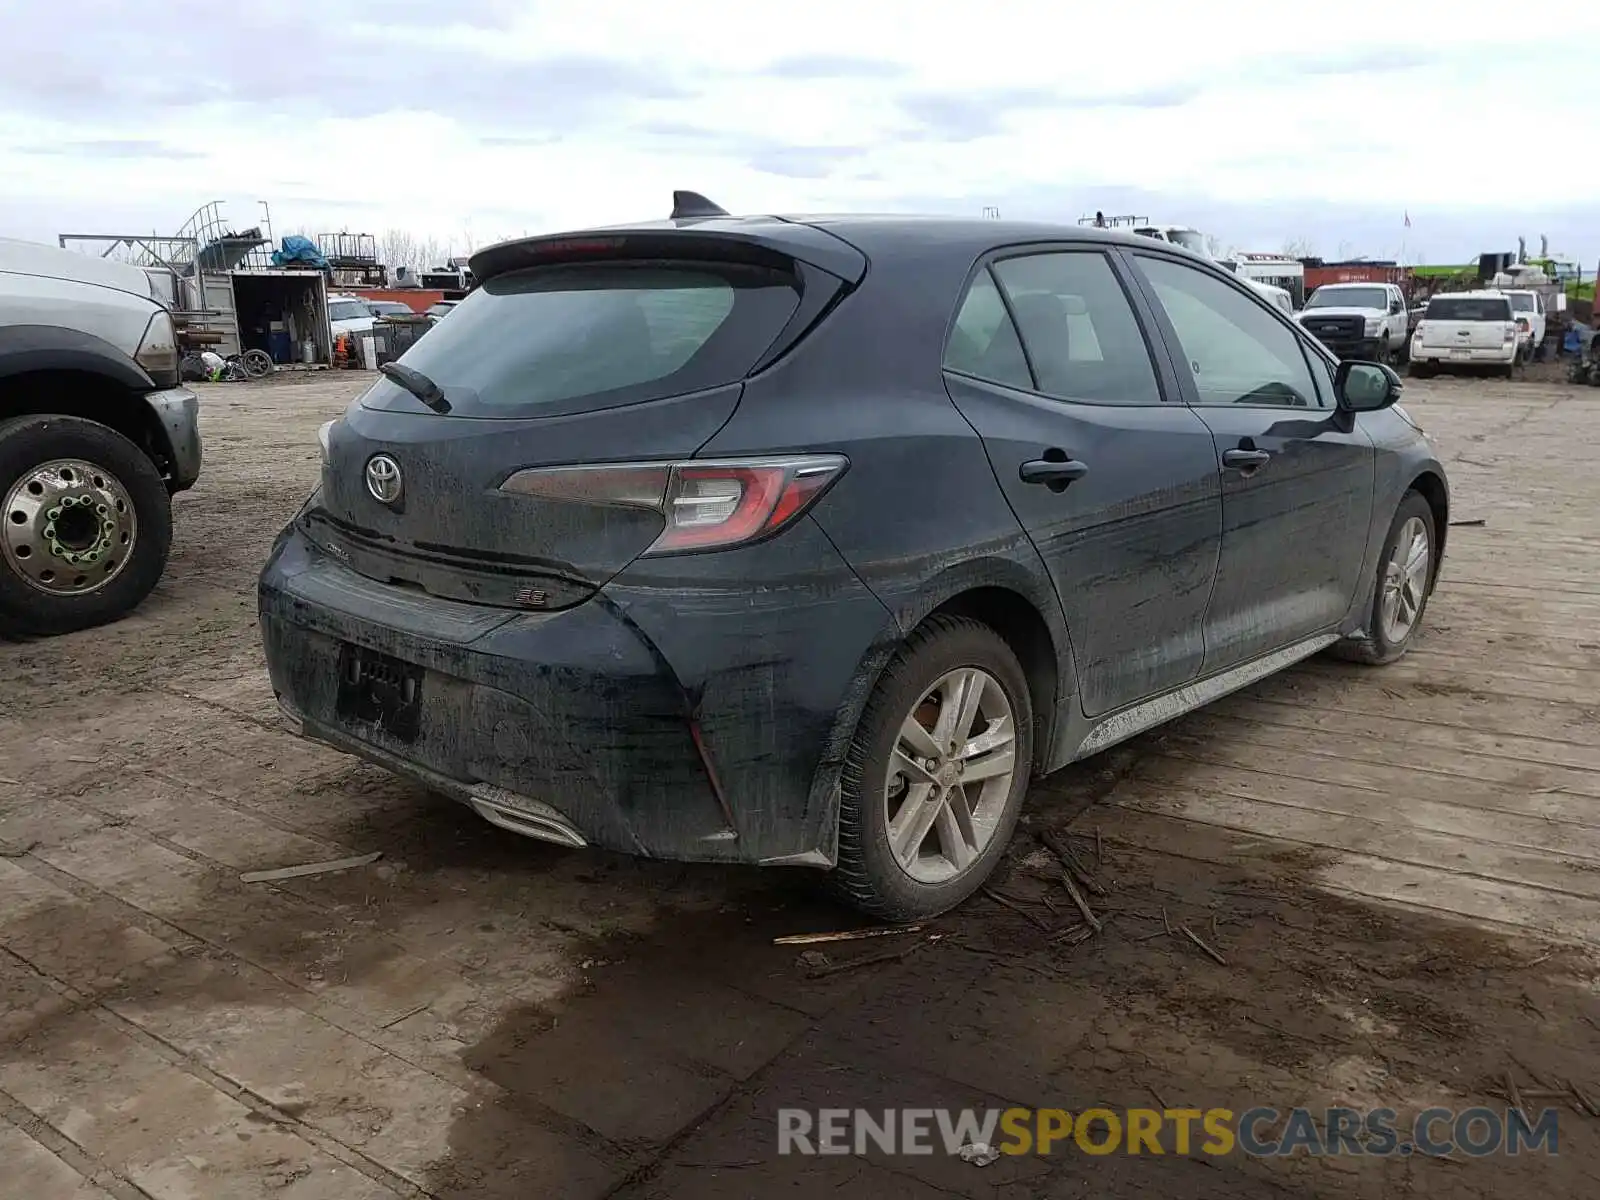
581,337
1079,329
1469,308
984,342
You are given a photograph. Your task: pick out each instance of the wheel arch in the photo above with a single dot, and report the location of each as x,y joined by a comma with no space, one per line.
1017,622
1430,485
80,388
1002,593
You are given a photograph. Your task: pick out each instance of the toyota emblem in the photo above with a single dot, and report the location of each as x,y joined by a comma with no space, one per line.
383,479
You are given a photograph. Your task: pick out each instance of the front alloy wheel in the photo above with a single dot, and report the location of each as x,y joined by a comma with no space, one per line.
1405,581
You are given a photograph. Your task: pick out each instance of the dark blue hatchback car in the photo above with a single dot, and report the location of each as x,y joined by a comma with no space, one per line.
811,541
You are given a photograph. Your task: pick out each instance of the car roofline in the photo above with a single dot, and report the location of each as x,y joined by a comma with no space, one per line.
840,244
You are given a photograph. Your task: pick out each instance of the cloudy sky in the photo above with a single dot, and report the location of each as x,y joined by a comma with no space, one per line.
471,120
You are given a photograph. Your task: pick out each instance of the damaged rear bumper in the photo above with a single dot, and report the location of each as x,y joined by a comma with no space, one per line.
706,726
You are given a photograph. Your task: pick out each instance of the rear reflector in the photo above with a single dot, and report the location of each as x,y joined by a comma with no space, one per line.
705,504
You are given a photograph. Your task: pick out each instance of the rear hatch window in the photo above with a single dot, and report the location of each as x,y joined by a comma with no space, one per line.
582,337
1468,308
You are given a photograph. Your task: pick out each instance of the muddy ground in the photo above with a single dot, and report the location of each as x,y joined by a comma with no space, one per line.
1395,875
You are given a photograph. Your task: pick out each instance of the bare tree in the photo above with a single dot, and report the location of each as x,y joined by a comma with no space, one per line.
1300,247
397,248
431,253
402,248
1214,246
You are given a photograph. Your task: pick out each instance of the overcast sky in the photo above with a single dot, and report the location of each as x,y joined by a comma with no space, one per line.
471,120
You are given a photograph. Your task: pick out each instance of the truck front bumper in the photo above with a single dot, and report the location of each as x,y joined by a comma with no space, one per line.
177,410
1362,349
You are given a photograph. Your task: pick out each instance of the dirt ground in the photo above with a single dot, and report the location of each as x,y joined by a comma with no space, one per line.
1398,871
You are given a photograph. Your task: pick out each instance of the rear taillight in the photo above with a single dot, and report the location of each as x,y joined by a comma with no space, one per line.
1523,326
706,504
1511,333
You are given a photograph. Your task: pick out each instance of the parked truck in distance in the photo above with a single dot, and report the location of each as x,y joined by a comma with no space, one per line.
1363,321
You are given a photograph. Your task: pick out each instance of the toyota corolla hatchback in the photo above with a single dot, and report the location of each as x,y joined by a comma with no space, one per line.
812,541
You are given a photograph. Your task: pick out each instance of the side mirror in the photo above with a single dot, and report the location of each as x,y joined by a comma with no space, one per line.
1366,386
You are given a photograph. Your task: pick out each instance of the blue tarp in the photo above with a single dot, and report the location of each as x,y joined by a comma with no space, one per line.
301,250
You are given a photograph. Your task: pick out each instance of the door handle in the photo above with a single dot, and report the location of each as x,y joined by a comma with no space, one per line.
1245,460
1055,474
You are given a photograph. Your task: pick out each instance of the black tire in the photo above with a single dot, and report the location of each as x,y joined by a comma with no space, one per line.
868,875
29,442
1423,369
1376,648
1384,354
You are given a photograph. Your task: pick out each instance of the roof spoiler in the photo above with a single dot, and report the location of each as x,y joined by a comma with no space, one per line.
686,205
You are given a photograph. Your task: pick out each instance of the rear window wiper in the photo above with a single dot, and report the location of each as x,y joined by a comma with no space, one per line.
418,384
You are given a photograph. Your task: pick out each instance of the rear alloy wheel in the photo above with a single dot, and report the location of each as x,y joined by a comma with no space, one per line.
1405,580
936,774
85,525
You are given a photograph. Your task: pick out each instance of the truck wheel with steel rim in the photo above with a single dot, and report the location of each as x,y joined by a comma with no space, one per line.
1406,571
935,776
85,525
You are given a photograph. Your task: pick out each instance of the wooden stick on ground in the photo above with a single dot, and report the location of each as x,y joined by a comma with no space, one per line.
1083,905
1195,938
1511,1090
1584,1098
1006,902
1071,863
844,935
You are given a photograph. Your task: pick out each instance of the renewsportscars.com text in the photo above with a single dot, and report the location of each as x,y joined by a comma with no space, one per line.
1260,1132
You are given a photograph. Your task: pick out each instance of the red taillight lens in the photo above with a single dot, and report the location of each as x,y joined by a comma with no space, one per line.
1511,333
710,504
1522,325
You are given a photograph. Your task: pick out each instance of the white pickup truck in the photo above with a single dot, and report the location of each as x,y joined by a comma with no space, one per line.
1365,321
1466,329
1527,310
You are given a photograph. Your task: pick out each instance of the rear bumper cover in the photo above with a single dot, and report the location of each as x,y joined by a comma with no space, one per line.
709,726
1492,356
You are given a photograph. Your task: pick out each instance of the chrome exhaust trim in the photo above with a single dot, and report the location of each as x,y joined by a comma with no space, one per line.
524,815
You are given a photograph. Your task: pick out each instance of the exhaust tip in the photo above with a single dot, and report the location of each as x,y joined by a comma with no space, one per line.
524,815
